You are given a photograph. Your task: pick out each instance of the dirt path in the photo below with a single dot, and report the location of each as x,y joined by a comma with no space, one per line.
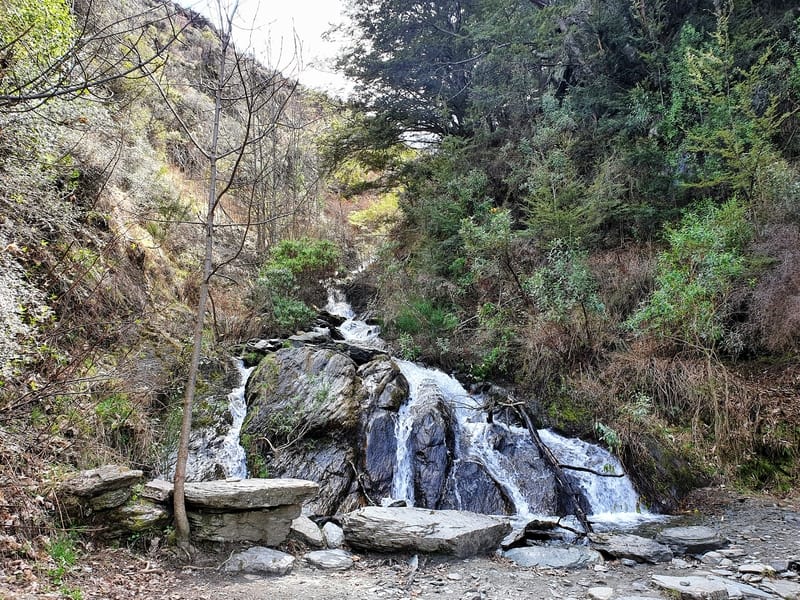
766,528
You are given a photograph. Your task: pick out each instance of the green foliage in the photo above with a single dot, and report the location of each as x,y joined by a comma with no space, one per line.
33,34
564,285
289,280
64,554
695,275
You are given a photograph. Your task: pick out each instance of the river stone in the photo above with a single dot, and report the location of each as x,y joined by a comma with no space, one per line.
692,587
390,529
95,482
260,560
333,534
691,540
335,560
306,531
242,494
556,557
641,549
269,526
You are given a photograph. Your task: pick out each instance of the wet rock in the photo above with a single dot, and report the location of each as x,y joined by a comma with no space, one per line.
260,560
470,484
638,548
557,557
459,533
245,494
335,560
333,534
430,444
319,336
691,540
306,531
380,452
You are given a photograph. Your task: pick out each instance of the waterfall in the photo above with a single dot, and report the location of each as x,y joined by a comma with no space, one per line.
490,464
215,452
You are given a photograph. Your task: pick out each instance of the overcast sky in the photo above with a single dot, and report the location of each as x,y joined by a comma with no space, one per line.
267,27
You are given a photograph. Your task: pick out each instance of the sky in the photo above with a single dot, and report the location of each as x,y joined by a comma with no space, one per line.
268,28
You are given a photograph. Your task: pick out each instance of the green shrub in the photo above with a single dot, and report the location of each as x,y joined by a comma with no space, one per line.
695,275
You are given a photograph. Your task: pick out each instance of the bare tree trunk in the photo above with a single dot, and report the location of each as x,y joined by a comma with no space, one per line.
179,502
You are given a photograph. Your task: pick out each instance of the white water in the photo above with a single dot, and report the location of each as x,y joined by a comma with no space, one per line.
213,455
611,499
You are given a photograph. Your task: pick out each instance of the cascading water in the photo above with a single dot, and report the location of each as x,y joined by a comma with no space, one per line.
216,453
524,483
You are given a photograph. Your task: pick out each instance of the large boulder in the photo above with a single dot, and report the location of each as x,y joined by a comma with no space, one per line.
392,529
556,557
269,526
430,443
306,402
640,549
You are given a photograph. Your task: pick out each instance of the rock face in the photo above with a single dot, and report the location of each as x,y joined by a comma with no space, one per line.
306,401
429,443
97,482
459,533
640,549
267,526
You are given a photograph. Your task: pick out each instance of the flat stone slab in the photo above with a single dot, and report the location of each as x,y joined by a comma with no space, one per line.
692,587
692,540
158,490
334,560
555,557
640,549
94,482
248,494
783,588
390,529
260,560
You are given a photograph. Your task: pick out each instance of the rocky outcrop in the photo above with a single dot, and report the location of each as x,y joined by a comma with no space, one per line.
305,404
249,494
459,533
260,560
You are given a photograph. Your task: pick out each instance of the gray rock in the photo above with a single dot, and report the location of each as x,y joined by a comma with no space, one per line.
245,494
141,516
785,589
641,549
757,568
333,534
268,526
737,589
692,587
306,531
388,529
110,499
158,490
95,482
600,593
336,560
430,443
260,560
557,557
691,540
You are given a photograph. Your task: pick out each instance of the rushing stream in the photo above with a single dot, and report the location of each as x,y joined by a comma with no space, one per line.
526,483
